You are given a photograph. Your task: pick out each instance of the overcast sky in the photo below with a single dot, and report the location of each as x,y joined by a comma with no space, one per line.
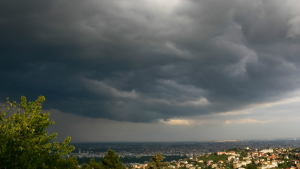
156,70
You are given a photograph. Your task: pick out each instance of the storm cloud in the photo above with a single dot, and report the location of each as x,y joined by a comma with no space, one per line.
143,61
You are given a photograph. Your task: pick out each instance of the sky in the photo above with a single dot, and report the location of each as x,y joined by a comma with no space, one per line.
156,70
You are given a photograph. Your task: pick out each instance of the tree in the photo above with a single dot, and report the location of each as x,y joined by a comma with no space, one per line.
251,166
155,162
85,166
70,163
24,143
111,161
95,165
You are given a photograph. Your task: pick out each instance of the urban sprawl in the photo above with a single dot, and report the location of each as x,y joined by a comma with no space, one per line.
240,159
234,158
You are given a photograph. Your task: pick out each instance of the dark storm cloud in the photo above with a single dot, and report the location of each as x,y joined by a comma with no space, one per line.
147,60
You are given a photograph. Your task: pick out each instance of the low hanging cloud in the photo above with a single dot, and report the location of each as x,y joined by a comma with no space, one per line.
188,122
145,61
103,89
197,122
200,102
247,121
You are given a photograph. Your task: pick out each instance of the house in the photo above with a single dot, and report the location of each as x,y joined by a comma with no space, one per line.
260,154
214,166
236,165
272,157
143,166
272,164
188,165
231,153
230,157
246,158
267,151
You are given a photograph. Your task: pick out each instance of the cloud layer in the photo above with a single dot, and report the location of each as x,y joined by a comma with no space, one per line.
141,61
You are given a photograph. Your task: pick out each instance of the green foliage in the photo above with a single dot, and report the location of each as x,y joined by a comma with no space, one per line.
85,166
70,163
155,162
292,157
200,164
230,165
286,164
24,143
251,166
173,164
243,154
111,160
182,167
95,165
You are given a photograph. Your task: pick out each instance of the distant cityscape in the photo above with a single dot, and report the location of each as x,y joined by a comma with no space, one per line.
179,149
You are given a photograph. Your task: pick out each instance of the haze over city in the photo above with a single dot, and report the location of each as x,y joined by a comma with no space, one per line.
156,70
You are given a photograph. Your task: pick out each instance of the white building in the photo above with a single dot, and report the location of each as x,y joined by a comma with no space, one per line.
267,151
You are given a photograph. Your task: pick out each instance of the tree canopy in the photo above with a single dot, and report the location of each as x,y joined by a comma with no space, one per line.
155,162
111,160
24,143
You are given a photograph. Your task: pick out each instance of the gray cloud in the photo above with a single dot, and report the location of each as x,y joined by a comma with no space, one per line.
141,61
